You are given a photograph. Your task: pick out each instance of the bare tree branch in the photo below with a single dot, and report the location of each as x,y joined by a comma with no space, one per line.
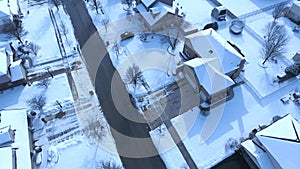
276,39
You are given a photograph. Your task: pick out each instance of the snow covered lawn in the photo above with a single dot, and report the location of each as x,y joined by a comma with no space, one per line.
246,6
87,154
152,57
16,98
167,148
258,23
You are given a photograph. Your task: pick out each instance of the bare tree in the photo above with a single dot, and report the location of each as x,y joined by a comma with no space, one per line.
278,12
276,39
133,75
97,4
15,31
63,30
173,40
37,102
56,3
108,165
95,129
44,83
128,3
34,48
105,21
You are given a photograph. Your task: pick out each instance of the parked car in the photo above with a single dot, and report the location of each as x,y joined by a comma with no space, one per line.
126,35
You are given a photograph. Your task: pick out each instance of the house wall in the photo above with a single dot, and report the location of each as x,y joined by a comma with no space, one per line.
188,51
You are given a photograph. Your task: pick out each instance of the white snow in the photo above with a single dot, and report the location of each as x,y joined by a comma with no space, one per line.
257,154
273,139
86,154
167,148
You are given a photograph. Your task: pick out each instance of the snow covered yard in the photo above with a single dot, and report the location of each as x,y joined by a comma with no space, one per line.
152,57
247,6
206,141
167,148
260,80
86,153
41,31
258,23
57,90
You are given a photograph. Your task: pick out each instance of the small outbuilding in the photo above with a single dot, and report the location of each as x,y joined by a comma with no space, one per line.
294,12
219,13
296,57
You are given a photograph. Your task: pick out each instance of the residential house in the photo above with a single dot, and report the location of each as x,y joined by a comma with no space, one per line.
159,13
276,146
294,12
12,73
15,153
5,19
215,63
10,12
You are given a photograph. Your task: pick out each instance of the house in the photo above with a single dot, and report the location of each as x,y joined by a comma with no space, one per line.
4,20
276,146
6,135
10,12
209,44
159,13
294,12
12,73
215,63
17,153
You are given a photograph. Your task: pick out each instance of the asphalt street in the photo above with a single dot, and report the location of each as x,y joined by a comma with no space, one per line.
112,94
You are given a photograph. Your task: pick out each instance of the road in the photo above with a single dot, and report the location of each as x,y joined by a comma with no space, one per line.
133,152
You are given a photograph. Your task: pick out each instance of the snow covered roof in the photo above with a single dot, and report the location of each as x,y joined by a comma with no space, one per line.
3,14
148,3
259,157
17,71
156,12
18,121
296,7
209,44
296,57
151,18
6,157
208,76
3,61
281,142
6,135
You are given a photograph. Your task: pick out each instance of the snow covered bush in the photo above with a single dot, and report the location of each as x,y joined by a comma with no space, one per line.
44,83
37,102
231,145
34,48
108,165
95,129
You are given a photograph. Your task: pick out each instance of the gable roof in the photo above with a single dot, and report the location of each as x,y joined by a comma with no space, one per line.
281,141
150,18
209,44
148,3
295,8
3,61
208,76
3,14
